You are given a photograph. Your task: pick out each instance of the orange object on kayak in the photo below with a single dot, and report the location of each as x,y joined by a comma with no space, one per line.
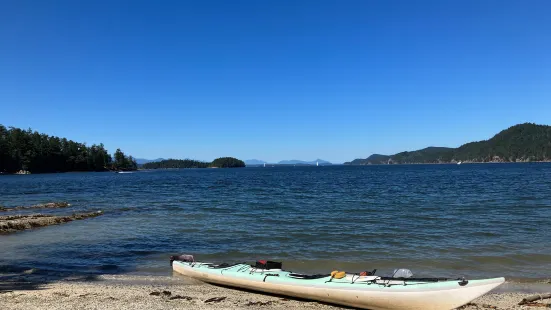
335,274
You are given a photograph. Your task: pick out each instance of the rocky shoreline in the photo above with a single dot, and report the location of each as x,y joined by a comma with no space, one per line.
15,223
49,205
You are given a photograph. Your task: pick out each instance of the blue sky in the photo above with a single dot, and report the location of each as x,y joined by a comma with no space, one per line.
274,80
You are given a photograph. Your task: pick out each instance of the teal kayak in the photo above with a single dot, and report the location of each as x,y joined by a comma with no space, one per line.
356,290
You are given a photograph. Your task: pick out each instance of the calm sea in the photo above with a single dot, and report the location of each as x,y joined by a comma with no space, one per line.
475,220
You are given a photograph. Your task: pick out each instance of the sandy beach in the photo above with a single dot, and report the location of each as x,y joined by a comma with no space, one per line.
26,291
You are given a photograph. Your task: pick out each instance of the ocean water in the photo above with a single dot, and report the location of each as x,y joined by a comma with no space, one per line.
474,220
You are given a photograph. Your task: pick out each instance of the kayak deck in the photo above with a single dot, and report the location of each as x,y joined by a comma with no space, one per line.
285,277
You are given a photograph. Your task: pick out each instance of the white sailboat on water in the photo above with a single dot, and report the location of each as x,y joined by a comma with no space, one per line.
264,165
317,163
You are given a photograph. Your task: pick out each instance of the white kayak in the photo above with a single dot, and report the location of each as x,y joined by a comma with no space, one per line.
355,290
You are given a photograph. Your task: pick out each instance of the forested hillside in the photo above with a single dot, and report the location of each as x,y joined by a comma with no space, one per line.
519,143
31,151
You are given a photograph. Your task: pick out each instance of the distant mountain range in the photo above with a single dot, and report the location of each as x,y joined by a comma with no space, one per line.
141,161
302,162
249,162
520,143
255,162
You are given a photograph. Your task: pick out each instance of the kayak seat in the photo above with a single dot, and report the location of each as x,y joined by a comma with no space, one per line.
308,276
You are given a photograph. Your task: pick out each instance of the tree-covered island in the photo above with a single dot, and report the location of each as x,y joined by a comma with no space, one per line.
222,162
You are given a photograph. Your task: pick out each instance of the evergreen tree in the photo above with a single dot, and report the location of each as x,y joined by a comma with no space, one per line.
123,162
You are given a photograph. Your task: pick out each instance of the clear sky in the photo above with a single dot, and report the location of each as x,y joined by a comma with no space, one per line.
274,80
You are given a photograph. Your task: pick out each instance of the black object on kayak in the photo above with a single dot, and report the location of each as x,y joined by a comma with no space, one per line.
308,276
266,264
183,258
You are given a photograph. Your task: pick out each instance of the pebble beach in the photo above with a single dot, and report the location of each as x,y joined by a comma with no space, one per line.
119,292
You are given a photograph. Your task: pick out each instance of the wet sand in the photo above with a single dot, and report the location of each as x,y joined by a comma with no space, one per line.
155,292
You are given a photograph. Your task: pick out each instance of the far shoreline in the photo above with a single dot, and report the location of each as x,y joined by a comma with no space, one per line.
112,171
277,166
462,163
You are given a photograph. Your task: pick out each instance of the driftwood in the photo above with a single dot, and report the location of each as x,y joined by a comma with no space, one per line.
534,298
215,299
